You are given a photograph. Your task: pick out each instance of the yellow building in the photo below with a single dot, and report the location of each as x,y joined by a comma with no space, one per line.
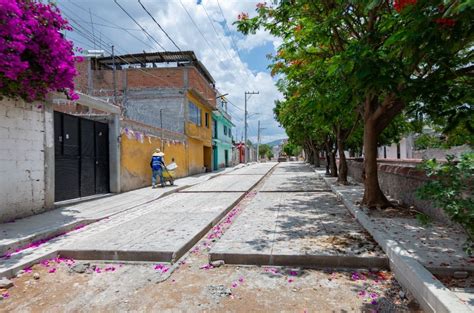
198,131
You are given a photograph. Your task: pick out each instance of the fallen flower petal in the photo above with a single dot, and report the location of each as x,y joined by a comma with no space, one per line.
53,270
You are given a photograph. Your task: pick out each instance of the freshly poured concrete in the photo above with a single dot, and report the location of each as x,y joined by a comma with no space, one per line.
294,177
227,183
164,234
256,169
297,228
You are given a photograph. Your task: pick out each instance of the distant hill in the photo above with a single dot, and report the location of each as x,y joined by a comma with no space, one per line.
276,142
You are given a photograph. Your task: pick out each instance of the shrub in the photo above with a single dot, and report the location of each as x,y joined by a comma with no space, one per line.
452,190
35,58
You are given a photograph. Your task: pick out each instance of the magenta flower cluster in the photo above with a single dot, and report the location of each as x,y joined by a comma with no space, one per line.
35,58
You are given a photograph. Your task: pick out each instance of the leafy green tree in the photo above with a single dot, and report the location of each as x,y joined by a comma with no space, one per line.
263,150
391,56
452,190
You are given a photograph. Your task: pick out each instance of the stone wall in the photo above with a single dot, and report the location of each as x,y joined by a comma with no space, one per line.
23,128
399,180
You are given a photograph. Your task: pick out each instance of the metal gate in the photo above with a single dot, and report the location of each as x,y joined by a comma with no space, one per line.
81,157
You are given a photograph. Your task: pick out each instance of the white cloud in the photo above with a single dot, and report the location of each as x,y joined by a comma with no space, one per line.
216,52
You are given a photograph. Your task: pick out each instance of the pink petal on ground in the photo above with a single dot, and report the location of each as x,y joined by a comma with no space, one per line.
291,280
293,273
53,270
241,279
5,295
234,285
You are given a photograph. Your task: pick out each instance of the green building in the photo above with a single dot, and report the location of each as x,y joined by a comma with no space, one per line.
221,137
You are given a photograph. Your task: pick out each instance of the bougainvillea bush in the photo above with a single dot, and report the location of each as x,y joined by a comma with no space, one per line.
35,58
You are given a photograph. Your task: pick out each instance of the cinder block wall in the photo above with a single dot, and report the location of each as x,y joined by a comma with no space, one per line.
400,181
22,159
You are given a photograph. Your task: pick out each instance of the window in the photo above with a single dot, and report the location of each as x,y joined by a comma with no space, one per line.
206,121
214,129
225,130
194,114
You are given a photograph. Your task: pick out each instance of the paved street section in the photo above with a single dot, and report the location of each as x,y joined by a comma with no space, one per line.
18,233
254,169
164,234
294,177
226,183
297,229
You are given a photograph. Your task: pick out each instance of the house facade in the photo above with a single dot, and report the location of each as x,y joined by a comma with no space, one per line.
221,137
167,99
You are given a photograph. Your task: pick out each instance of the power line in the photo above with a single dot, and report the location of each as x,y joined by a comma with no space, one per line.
127,30
138,24
215,30
158,25
195,25
225,23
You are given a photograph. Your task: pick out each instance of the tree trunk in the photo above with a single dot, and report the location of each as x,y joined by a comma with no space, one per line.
342,177
333,164
373,195
317,162
328,162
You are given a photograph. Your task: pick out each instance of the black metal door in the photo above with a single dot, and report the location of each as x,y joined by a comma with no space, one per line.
67,158
101,158
87,158
81,157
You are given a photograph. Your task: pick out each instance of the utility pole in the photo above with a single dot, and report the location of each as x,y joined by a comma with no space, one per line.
259,132
161,126
114,77
245,121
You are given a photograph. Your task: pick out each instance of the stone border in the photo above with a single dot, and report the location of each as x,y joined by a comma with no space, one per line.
306,261
432,295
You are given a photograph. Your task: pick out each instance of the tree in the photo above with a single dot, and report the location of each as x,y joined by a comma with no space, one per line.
35,58
264,150
406,55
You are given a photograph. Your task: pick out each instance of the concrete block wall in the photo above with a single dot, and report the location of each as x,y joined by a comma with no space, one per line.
22,159
143,105
400,182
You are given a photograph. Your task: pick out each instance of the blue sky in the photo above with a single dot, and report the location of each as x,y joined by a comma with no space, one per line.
237,62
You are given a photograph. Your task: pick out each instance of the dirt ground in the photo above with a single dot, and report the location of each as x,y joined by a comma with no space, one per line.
191,286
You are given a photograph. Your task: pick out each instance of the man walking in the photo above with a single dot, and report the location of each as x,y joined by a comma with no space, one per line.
157,165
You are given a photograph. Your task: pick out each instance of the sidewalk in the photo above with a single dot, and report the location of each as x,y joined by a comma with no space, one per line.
26,231
416,251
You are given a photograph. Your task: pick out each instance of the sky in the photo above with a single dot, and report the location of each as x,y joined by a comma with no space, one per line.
238,63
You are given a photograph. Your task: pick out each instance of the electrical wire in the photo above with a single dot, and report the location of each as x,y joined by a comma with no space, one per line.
195,25
138,24
114,24
154,20
225,23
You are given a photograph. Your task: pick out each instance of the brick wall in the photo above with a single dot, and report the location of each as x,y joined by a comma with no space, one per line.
22,159
400,180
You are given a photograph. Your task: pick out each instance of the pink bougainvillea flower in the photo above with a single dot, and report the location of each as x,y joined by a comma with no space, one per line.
206,267
374,302
293,273
373,295
355,276
361,293
35,57
234,285
5,295
52,270
28,269
241,279
291,280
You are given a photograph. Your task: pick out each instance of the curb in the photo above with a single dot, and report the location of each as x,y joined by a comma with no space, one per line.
432,295
86,221
306,261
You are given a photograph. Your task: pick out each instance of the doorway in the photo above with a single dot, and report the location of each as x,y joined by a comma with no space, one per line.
81,149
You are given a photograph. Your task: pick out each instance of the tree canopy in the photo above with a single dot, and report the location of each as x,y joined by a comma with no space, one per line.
359,69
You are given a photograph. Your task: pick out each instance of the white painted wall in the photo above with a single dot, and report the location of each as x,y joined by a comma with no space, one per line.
22,159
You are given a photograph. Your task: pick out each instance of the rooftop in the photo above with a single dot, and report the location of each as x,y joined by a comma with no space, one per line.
182,58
